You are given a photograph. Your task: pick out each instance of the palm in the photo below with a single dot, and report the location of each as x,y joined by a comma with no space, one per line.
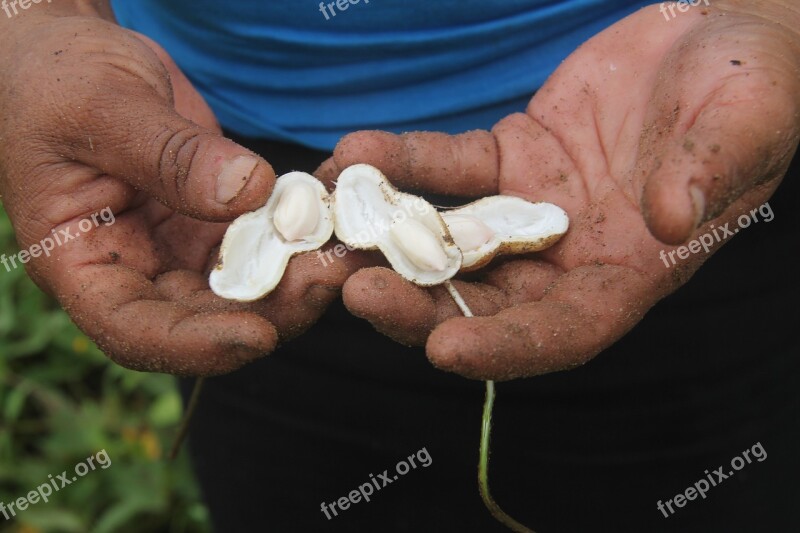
631,101
638,136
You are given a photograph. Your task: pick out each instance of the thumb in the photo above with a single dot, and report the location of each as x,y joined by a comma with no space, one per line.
742,137
132,132
189,103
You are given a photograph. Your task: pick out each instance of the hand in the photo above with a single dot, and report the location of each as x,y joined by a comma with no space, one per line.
646,132
97,119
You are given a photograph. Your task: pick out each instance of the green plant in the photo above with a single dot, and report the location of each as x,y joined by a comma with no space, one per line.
62,400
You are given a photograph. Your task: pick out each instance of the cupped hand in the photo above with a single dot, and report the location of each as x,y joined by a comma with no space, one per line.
646,135
108,147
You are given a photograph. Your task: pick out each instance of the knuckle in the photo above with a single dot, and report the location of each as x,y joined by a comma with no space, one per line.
174,151
515,122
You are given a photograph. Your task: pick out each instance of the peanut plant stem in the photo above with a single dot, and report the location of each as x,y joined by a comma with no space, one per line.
486,433
483,466
187,418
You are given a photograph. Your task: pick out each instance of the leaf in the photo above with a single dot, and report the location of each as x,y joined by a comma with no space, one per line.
166,410
52,519
123,513
15,402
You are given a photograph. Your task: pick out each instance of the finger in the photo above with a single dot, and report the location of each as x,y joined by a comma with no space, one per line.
312,281
310,284
327,173
584,312
523,280
408,313
136,327
132,132
743,137
193,171
460,165
394,306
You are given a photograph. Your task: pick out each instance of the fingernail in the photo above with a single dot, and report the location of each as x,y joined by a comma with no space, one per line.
234,176
699,203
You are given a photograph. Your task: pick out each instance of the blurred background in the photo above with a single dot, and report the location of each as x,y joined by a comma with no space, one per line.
62,401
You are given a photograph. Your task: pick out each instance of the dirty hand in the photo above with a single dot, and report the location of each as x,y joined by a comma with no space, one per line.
647,135
120,186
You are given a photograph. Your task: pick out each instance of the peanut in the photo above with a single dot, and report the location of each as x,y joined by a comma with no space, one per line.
297,213
419,244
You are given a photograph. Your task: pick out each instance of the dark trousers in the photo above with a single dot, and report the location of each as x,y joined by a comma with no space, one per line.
711,371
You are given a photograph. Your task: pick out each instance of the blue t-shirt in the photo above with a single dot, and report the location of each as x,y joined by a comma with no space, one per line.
310,72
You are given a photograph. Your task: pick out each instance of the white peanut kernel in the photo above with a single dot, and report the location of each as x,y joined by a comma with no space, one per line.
297,213
419,244
469,232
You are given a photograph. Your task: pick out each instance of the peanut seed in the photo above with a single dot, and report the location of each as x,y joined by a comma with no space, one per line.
297,213
419,244
469,232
